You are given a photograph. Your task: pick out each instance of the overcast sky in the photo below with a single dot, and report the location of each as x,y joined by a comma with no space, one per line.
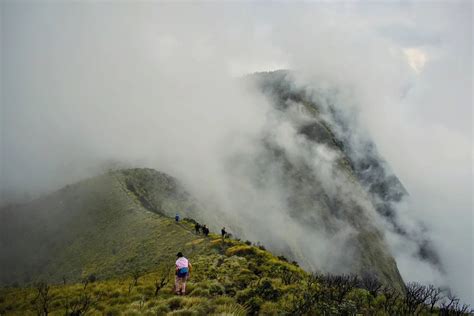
84,83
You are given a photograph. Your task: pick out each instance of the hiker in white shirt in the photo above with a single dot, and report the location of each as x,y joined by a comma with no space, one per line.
183,270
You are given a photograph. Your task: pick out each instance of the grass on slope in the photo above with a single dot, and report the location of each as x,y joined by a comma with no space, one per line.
229,278
224,281
96,226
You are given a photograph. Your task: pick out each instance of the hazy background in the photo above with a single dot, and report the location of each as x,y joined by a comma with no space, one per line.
84,85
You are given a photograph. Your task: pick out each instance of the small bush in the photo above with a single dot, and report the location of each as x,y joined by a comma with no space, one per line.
151,304
230,288
282,258
192,301
241,251
191,220
112,311
114,294
175,303
222,300
267,291
233,309
200,292
243,296
91,278
270,308
254,305
216,289
162,309
190,287
184,312
132,312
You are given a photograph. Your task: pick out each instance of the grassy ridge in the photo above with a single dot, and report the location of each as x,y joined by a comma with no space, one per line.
103,247
223,272
229,278
96,226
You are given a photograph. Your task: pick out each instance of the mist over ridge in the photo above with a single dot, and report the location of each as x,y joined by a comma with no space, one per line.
159,86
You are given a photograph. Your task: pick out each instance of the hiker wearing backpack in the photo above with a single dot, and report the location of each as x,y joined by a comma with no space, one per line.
205,230
176,218
197,228
223,233
183,272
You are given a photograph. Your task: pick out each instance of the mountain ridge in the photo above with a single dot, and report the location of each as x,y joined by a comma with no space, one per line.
96,216
83,225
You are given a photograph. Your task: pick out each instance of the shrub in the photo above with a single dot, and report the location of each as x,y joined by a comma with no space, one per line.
175,303
286,272
243,296
192,301
231,309
282,258
91,278
255,268
270,308
241,251
191,220
114,294
112,311
151,304
360,297
101,307
216,289
230,288
200,292
267,291
119,301
184,312
254,305
132,312
222,300
162,309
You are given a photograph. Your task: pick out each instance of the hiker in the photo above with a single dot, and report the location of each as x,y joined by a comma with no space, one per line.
183,272
176,218
197,227
223,233
205,230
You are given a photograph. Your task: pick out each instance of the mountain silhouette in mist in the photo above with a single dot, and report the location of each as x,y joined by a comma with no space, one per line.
64,233
332,127
120,222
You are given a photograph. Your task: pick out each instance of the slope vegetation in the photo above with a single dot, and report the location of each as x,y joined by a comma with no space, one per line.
104,247
104,226
229,277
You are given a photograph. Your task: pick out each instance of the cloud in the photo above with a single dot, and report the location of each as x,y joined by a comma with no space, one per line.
416,58
154,85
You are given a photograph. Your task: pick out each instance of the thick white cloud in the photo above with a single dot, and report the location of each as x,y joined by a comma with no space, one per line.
151,84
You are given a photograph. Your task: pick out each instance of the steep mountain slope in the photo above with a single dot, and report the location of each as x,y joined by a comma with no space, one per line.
112,224
105,226
331,123
306,189
303,165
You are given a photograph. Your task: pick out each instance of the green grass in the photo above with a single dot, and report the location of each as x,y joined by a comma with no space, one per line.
229,278
97,227
219,281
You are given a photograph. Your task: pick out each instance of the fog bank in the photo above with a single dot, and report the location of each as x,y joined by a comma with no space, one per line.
88,85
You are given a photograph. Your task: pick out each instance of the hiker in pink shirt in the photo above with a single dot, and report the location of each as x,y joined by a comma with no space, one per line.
183,270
